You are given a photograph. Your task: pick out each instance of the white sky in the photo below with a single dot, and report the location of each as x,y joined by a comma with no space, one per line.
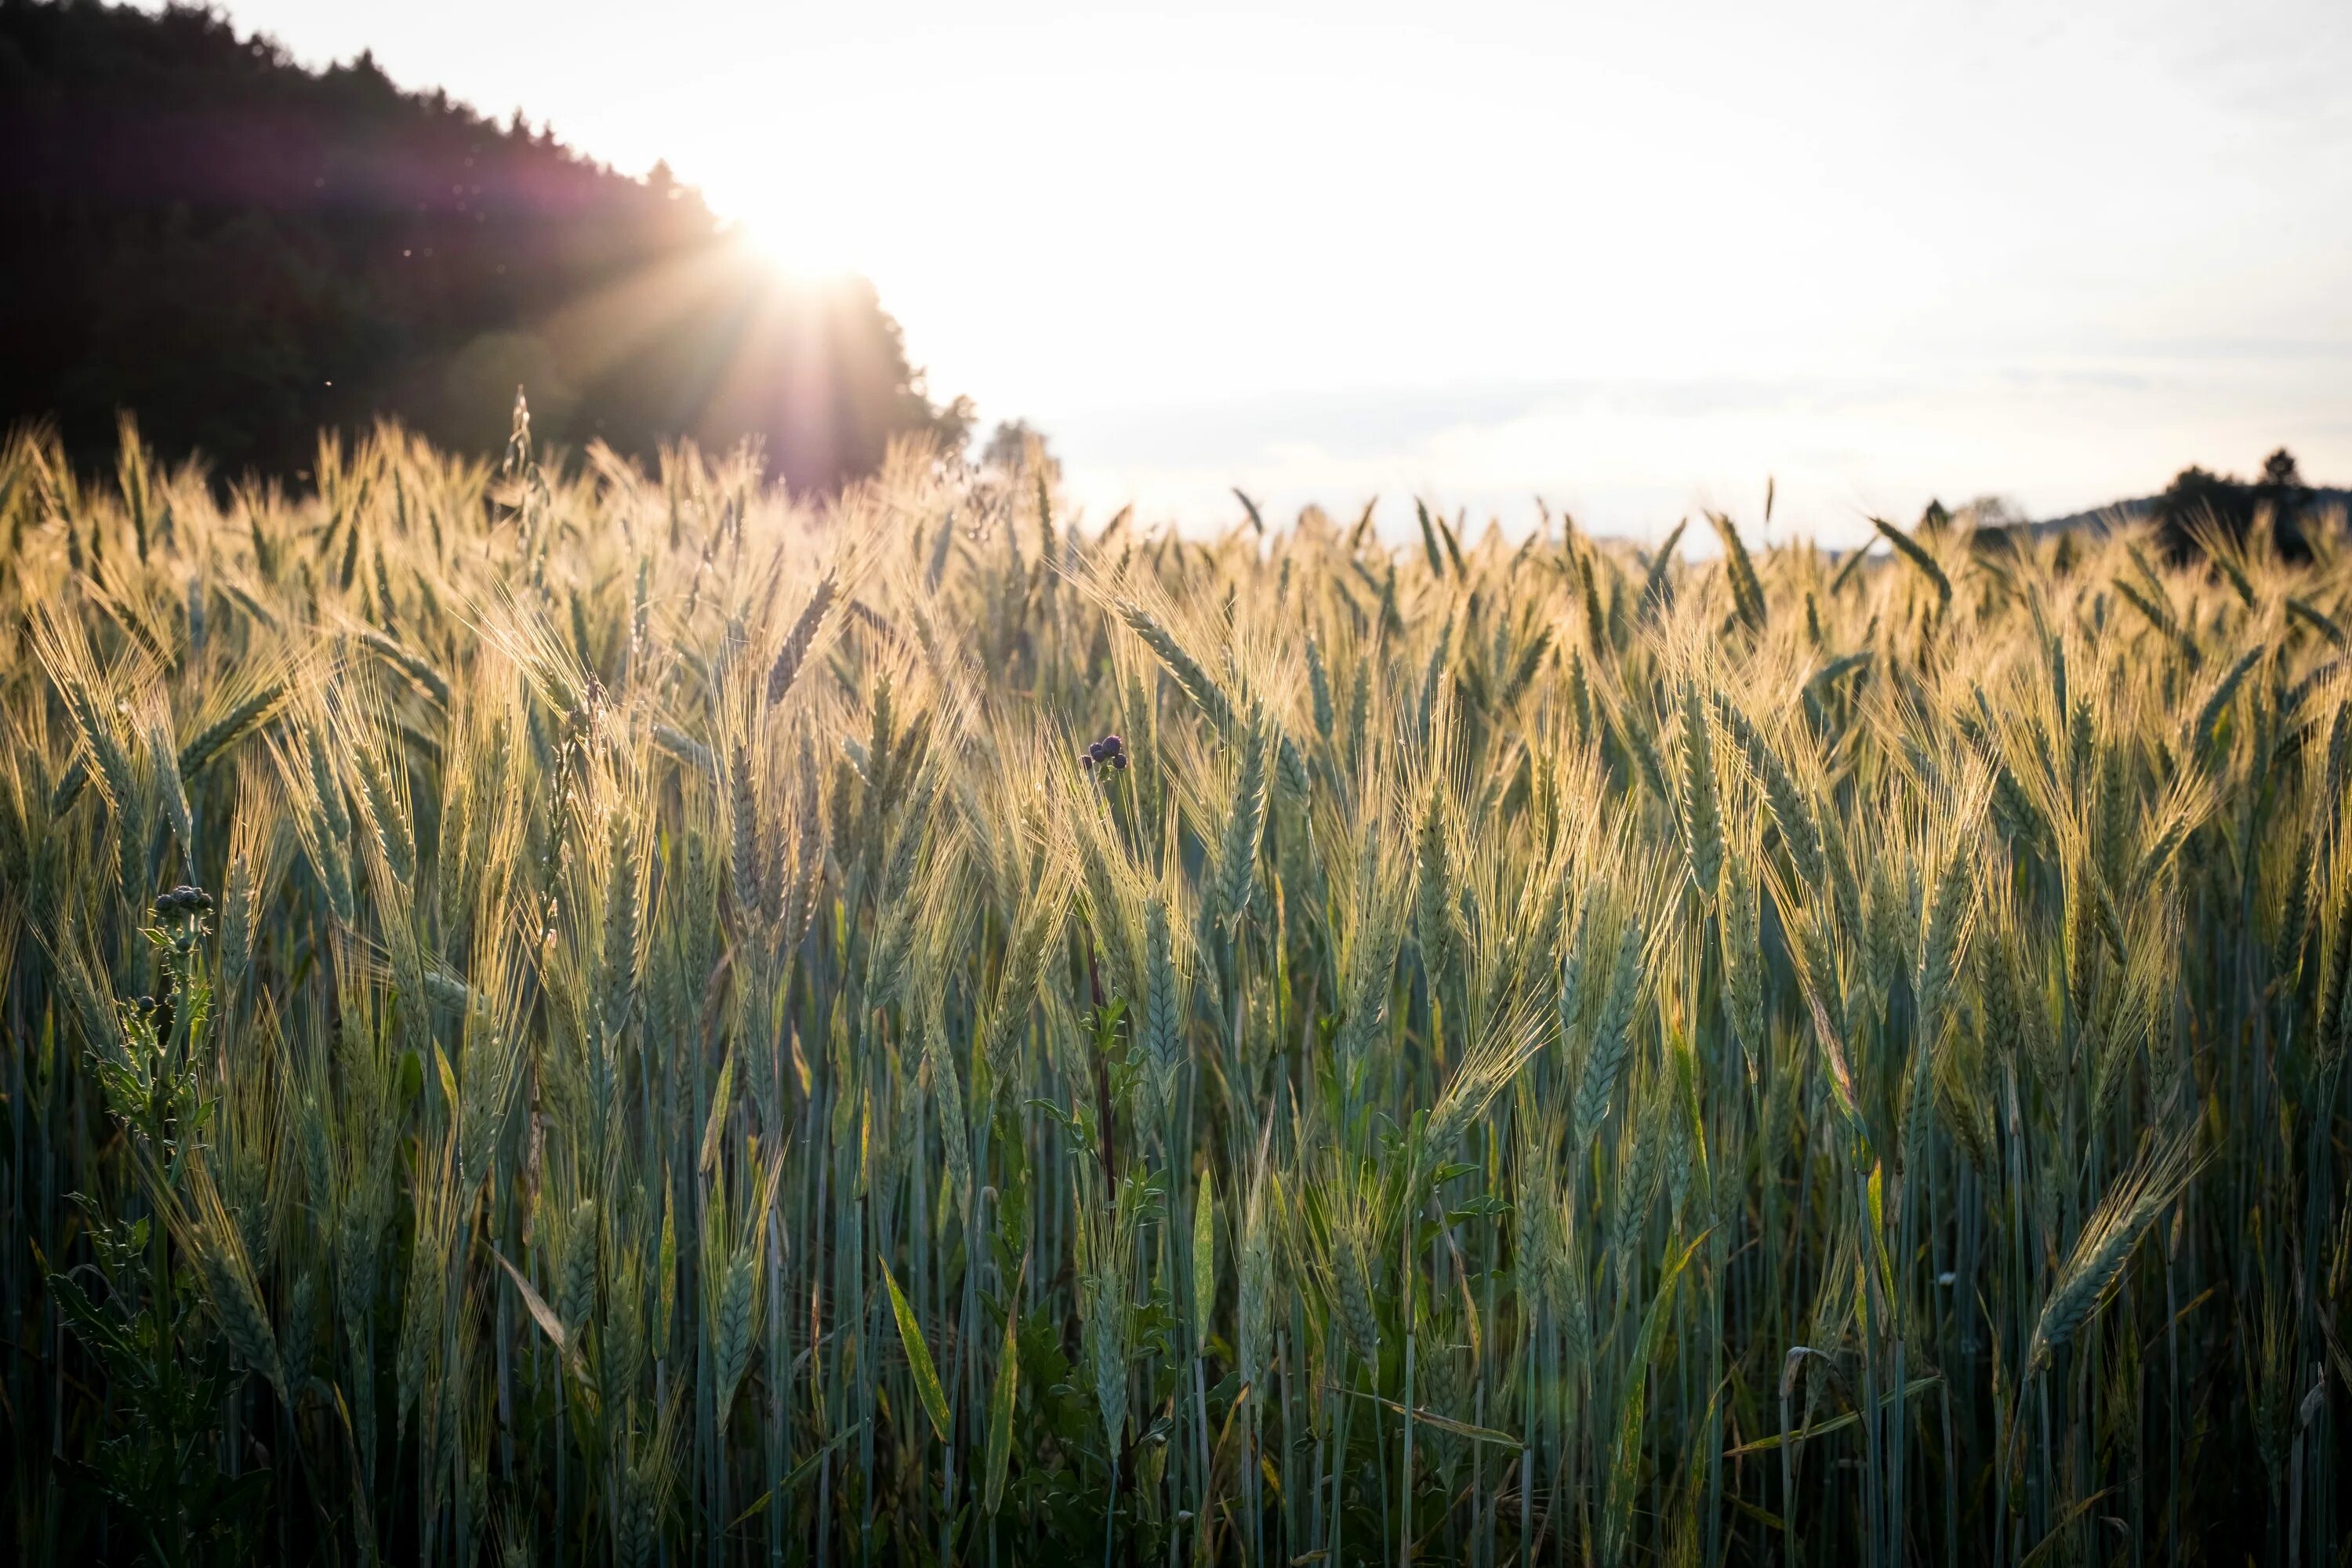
1634,257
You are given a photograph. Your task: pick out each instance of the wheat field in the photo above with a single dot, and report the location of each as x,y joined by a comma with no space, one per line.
561,1014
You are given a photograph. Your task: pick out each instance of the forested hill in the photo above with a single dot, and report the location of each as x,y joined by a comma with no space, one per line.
240,251
2322,500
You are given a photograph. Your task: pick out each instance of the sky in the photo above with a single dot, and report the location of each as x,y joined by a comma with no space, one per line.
1633,259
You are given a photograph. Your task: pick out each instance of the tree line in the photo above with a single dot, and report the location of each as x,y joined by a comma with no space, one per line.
241,252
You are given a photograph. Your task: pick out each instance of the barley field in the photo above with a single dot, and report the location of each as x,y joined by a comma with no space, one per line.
561,1014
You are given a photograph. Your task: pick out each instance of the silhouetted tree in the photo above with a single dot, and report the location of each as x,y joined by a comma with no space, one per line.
1009,446
241,252
2197,498
2280,487
1995,523
1992,512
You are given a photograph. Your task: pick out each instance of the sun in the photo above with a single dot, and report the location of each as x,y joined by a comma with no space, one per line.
796,247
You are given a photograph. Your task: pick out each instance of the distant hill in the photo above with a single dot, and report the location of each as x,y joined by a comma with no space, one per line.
2197,498
2323,500
241,252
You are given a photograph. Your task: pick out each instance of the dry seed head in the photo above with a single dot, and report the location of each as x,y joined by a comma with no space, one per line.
1352,1280
1254,1285
1506,1045
1187,671
1696,793
1947,918
2091,1268
947,1095
1742,941
1245,825
743,830
1106,1257
1612,1034
1163,1044
1016,989
1375,930
734,1310
1436,919
575,1297
1640,1167
231,1287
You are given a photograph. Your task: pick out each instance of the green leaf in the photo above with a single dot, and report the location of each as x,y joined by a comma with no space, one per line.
667,1268
919,1355
1917,1385
1625,1465
714,1128
1204,1256
1885,1265
1485,1205
101,1331
799,1473
541,1313
1011,1183
1424,1416
1001,1399
2058,1532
